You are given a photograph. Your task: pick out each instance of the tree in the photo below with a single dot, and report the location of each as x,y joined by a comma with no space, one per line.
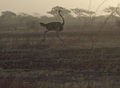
118,10
55,9
27,21
8,14
89,13
118,13
82,12
112,11
8,19
79,12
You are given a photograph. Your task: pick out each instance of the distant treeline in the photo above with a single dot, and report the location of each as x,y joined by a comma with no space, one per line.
81,17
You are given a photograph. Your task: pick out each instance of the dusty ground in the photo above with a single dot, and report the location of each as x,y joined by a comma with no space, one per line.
85,59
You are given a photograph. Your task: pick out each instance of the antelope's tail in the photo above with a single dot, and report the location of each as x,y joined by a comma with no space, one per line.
43,24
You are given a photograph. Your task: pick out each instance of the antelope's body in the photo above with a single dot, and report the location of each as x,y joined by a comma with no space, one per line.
54,26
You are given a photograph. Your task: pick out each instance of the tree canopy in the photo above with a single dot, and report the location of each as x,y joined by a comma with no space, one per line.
82,12
55,10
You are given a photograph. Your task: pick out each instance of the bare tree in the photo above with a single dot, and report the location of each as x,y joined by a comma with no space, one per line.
112,11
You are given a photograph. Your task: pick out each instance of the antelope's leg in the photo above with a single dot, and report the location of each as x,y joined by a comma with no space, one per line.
44,35
58,35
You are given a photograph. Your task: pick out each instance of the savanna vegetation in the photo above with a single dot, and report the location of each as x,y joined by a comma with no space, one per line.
88,59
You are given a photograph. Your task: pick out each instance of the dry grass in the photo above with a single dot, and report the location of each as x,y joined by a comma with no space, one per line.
26,62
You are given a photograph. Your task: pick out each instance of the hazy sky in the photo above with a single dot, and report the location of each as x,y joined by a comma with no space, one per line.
42,6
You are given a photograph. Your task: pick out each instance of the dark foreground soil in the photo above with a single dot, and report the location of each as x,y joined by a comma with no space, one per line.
86,60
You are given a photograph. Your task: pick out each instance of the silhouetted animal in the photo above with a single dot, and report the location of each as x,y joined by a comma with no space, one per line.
54,26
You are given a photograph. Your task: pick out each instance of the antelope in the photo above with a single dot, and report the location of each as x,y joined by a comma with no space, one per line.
54,26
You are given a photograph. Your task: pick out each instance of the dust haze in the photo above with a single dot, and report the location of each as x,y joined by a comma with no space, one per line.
59,44
42,6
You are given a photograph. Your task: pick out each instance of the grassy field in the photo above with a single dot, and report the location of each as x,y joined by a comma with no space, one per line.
88,59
